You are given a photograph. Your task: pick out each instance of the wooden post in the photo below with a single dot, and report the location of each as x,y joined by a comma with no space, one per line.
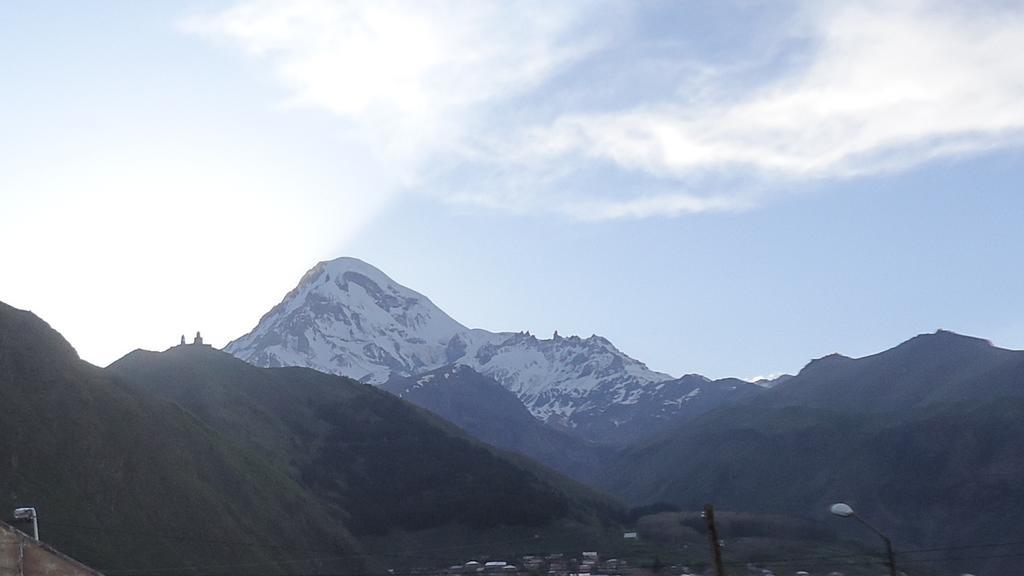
716,544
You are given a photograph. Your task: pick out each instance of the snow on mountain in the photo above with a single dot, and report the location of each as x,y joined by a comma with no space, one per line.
661,405
347,317
770,381
554,378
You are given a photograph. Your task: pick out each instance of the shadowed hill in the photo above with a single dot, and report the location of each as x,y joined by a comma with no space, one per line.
192,458
927,369
924,439
120,477
384,463
490,413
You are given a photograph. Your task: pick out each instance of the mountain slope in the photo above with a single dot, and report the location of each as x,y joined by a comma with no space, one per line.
492,414
382,464
927,369
664,405
348,318
125,480
558,379
922,439
189,459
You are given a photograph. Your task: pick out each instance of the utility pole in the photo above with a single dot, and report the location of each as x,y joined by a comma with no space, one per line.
891,559
716,543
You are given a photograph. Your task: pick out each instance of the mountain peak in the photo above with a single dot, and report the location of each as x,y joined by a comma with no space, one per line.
349,264
829,360
24,333
941,343
948,336
327,270
347,317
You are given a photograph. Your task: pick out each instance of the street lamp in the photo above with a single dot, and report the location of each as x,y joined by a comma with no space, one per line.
845,511
28,514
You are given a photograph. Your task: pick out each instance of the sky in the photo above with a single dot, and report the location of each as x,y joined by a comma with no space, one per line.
730,188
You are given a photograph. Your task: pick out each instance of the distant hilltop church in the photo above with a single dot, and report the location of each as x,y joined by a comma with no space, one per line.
197,342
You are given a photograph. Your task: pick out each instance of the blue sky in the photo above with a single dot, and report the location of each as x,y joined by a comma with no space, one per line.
730,188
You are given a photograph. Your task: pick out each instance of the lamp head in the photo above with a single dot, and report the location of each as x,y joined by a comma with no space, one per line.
24,513
841,509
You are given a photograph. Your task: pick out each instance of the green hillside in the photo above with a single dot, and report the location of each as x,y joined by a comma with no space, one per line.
385,464
124,480
191,460
923,439
487,411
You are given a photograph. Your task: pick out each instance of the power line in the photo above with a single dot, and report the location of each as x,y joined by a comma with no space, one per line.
155,536
833,559
961,547
159,536
905,552
962,558
421,553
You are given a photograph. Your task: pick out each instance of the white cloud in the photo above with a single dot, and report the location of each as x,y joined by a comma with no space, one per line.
677,204
409,77
428,87
890,84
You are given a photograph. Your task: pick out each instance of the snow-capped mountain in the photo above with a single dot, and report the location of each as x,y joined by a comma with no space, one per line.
664,404
557,377
347,317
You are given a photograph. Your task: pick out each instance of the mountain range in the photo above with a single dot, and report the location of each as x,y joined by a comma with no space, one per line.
922,439
192,461
190,458
458,434
492,414
346,317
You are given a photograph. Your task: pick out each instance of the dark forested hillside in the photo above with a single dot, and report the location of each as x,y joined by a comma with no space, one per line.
923,439
490,413
120,477
942,367
190,457
385,464
193,458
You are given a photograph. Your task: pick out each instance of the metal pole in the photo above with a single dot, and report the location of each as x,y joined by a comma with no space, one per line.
891,558
29,513
716,544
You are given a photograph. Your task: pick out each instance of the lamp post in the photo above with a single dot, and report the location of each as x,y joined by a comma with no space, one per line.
29,514
845,511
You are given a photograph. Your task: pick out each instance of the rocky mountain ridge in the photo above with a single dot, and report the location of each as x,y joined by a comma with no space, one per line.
348,318
922,438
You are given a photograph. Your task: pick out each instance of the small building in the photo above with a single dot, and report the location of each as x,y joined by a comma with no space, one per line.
22,555
197,341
